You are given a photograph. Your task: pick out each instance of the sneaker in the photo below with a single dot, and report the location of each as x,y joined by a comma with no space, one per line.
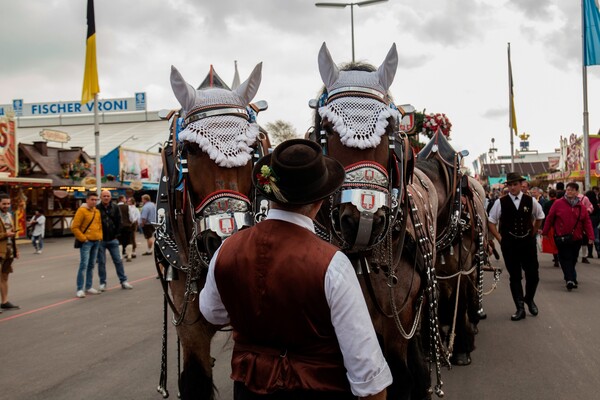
126,285
39,252
134,255
9,306
575,284
570,285
92,291
584,260
128,259
148,253
80,294
102,287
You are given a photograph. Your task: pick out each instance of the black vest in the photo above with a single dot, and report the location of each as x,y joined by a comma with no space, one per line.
513,222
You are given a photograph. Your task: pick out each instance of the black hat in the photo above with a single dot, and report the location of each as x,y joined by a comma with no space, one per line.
514,177
297,173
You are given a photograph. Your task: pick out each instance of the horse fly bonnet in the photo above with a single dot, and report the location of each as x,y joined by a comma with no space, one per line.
357,102
218,120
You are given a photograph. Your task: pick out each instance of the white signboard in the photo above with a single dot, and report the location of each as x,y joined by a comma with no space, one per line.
21,109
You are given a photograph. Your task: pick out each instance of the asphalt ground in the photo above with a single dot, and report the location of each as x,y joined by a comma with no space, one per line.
108,346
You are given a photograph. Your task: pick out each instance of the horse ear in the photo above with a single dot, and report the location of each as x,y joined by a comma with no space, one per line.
388,68
248,89
329,71
184,92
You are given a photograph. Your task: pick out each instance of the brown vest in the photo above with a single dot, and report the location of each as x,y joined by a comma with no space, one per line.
271,281
513,222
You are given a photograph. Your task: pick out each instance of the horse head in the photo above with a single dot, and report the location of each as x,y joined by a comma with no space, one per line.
219,137
357,121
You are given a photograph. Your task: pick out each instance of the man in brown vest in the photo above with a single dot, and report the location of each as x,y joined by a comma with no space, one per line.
520,217
300,323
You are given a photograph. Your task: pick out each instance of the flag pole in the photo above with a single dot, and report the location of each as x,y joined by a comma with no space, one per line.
586,127
511,110
97,146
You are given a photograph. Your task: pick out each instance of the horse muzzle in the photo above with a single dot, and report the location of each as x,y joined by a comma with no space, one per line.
366,190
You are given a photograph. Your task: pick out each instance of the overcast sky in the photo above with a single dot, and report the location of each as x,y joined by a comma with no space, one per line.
453,56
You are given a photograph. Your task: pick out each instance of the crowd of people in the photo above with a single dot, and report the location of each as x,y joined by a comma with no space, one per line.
109,226
96,227
525,220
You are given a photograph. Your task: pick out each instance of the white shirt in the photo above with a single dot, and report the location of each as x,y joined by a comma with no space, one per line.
134,214
38,226
367,370
496,210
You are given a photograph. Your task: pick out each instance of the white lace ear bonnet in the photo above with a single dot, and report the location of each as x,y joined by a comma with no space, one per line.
218,119
357,102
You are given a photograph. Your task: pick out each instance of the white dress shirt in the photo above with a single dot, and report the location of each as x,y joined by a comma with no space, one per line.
367,370
496,210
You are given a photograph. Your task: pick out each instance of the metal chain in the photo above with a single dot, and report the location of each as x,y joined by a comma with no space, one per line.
426,243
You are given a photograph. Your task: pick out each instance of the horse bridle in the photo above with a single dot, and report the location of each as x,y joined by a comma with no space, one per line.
367,185
222,212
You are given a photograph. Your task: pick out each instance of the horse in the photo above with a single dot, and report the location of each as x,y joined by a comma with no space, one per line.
205,195
383,217
461,246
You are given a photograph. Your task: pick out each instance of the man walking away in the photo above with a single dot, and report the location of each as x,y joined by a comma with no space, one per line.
111,228
87,228
301,327
8,250
125,236
134,217
147,217
520,217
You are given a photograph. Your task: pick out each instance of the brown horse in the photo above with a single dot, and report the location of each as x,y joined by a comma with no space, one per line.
460,243
383,216
205,195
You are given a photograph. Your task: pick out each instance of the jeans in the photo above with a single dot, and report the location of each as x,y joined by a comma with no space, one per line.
87,259
38,242
113,249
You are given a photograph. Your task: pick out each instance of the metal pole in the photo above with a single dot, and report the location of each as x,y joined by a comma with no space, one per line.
586,131
352,27
97,139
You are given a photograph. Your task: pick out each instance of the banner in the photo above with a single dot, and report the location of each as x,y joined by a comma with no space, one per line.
591,20
594,146
8,146
136,165
512,123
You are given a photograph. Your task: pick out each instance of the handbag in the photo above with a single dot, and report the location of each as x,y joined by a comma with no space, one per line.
568,238
78,242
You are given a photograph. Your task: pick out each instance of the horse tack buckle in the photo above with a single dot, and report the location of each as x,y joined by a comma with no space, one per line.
224,212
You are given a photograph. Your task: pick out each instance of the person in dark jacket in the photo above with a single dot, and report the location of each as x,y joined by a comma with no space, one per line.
571,222
111,229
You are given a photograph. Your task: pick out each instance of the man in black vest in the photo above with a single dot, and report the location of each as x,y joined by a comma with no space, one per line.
520,217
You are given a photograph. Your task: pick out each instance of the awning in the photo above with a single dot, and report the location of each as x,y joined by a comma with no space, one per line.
37,182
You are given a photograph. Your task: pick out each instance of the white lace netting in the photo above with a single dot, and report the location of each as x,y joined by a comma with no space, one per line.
225,138
360,121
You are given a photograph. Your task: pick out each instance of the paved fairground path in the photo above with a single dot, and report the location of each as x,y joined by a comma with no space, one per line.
59,347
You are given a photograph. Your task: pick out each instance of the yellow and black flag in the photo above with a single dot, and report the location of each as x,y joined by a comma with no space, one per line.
90,76
511,98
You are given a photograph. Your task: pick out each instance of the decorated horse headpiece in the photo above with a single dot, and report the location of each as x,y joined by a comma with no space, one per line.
357,102
219,120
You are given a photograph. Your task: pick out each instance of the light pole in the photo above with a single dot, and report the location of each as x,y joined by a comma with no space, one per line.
344,5
132,137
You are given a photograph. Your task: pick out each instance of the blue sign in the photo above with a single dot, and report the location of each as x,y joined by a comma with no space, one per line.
140,101
18,107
